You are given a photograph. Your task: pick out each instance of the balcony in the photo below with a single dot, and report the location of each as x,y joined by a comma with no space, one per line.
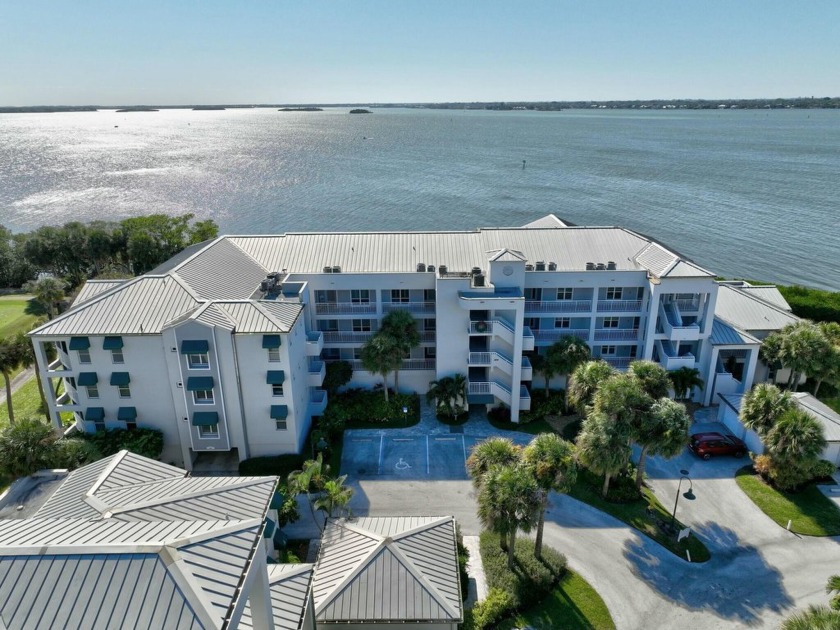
670,360
334,337
427,336
689,305
407,364
672,325
419,308
528,341
533,307
492,388
316,373
527,373
619,306
491,359
494,327
524,398
314,343
317,402
619,363
345,308
555,334
616,334
57,368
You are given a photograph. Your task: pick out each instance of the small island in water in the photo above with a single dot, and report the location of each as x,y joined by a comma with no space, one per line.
360,111
300,109
137,109
208,108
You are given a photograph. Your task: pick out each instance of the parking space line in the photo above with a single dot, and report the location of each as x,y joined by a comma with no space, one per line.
427,454
381,443
464,446
444,439
362,440
402,440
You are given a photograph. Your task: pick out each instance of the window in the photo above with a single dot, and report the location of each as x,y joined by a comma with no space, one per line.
200,361
399,296
607,351
84,356
614,293
274,355
277,389
117,356
209,430
562,322
124,390
429,295
328,325
633,350
429,324
611,322
533,323
360,296
357,354
361,325
430,353
281,425
93,391
564,294
533,294
203,397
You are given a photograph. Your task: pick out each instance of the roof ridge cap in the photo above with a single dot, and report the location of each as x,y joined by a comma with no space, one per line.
394,548
185,579
350,575
420,528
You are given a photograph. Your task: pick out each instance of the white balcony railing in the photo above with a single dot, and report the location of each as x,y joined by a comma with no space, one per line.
317,401
558,306
427,336
619,306
317,372
422,308
524,398
345,308
346,336
688,305
616,334
497,389
528,340
619,363
407,364
527,371
553,334
314,343
492,327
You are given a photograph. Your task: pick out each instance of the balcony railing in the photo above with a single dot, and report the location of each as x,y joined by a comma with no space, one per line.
317,401
317,372
314,343
688,305
622,306
616,334
346,336
558,306
345,308
528,340
619,363
427,336
407,364
524,398
497,389
423,308
553,334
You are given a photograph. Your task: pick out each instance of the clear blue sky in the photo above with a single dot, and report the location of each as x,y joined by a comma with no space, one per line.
247,51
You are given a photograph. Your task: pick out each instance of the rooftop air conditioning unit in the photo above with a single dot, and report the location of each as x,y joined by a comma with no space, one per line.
611,265
430,268
552,266
475,270
478,279
421,267
540,265
336,269
327,269
443,269
600,266
264,286
590,266
275,274
529,267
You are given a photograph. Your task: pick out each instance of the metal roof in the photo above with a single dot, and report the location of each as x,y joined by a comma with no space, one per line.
829,418
222,271
388,569
92,288
724,334
250,316
290,586
140,306
768,293
548,221
749,313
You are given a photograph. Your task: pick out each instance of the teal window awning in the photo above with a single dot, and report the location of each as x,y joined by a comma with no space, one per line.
127,413
199,383
112,343
86,379
194,346
95,413
205,418
271,341
277,501
79,343
120,378
279,412
268,532
275,377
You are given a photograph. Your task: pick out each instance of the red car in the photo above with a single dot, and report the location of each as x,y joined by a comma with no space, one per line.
707,444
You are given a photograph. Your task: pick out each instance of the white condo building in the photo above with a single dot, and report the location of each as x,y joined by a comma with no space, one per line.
224,346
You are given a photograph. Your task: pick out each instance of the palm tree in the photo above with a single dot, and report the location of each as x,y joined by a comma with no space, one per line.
762,406
828,364
685,379
12,355
449,395
798,347
563,357
26,447
833,587
584,382
623,399
815,618
552,462
311,476
28,359
509,500
494,451
335,496
652,377
381,355
402,328
796,437
48,293
664,432
601,448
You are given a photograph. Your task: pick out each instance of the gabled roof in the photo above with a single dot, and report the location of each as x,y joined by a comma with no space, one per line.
221,271
134,488
92,288
724,334
548,221
388,569
506,255
290,586
747,312
104,574
825,415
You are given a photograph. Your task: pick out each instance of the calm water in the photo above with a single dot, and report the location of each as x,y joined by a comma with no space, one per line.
745,193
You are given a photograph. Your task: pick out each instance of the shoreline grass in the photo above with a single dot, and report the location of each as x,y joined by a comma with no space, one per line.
811,513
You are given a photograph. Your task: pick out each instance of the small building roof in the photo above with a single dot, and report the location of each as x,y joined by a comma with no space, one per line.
291,586
548,221
388,569
827,417
724,334
750,313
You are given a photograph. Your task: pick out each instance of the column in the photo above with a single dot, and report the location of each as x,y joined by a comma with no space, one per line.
749,369
259,594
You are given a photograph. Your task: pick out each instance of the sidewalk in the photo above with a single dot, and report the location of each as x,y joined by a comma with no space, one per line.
17,382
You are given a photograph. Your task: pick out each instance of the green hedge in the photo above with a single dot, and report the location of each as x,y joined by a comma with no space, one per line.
280,465
145,442
820,306
364,408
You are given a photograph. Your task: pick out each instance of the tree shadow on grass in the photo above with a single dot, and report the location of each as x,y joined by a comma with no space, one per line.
34,307
736,583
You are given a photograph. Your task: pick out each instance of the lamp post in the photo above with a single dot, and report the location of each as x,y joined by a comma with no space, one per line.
405,415
689,494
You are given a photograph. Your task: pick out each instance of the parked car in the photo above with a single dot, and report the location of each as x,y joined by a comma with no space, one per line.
707,444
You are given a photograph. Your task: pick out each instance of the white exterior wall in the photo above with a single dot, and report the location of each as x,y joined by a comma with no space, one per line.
728,416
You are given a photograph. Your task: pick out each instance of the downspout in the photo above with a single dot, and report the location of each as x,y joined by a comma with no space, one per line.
241,403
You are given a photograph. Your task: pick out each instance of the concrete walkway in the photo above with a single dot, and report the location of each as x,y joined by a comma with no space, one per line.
475,569
17,382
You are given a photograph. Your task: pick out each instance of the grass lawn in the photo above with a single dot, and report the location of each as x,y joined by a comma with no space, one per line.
573,604
812,513
635,514
26,402
17,314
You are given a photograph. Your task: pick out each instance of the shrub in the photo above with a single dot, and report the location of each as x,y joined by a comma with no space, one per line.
823,469
499,415
498,605
362,405
279,465
26,447
145,442
531,580
463,558
814,304
71,453
762,465
339,373
542,406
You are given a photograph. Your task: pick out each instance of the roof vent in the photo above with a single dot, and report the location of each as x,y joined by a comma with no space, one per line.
552,266
478,280
443,269
475,270
590,266
327,269
529,267
275,275
540,265
430,268
421,267
600,266
336,269
264,286
611,265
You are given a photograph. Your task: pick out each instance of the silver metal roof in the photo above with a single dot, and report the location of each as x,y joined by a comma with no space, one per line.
749,313
290,586
92,288
548,221
724,334
222,271
250,316
388,569
768,293
829,418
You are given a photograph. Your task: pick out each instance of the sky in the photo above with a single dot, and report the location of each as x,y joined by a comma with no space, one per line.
74,52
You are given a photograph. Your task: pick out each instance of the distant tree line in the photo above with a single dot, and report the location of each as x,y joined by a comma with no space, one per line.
826,102
75,251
